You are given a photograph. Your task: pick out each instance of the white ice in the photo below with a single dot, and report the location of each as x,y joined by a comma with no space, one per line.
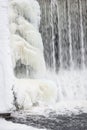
26,41
30,92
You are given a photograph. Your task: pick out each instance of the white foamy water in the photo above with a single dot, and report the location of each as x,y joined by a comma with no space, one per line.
72,85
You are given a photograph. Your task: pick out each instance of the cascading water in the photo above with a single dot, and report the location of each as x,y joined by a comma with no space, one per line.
63,28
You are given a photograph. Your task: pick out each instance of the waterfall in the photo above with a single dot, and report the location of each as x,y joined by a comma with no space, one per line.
82,35
63,29
57,65
51,20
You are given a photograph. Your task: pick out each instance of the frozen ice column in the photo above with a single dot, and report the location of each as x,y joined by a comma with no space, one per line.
26,41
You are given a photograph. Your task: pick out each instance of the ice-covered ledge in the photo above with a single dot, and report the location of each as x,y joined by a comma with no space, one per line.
6,72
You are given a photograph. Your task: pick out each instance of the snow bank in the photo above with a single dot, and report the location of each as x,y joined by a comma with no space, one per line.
7,77
69,107
6,71
5,125
32,93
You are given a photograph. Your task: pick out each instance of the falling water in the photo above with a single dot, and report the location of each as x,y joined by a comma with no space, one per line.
65,45
64,36
83,60
52,6
70,40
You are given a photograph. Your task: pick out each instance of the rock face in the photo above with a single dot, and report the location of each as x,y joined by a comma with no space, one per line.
6,71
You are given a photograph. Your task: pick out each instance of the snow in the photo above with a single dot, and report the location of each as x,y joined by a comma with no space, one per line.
5,125
6,71
7,78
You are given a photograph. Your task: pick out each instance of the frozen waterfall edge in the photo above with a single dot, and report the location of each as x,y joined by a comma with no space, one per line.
27,53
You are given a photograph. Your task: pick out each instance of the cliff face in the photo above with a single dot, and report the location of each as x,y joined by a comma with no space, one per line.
64,32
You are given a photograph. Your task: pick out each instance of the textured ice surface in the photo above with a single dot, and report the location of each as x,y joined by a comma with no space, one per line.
26,41
30,93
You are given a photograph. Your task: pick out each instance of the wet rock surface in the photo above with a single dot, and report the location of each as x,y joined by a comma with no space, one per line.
53,121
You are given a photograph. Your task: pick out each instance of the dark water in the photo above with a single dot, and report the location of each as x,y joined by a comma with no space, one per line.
53,121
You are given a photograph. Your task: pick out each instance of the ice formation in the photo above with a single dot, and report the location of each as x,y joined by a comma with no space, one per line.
27,46
27,53
29,9
30,93
26,41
